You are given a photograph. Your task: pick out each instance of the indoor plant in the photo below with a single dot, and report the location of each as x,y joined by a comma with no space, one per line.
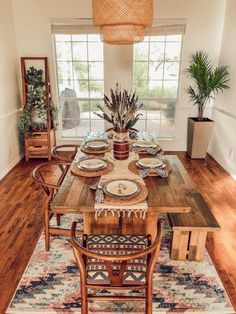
34,115
207,82
122,112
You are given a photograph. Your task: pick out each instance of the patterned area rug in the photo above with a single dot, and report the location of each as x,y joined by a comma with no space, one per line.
50,284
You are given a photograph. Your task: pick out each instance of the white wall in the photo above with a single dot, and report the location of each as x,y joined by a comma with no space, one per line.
9,98
204,31
223,145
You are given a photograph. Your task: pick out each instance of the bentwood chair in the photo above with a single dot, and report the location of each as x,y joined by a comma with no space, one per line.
65,153
128,263
49,176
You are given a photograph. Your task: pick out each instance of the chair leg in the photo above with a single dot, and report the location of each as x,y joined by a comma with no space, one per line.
58,219
47,235
149,299
84,301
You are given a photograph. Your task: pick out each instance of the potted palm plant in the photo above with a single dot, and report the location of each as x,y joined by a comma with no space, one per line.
207,83
122,112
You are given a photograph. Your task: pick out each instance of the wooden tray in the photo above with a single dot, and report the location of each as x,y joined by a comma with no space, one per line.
134,200
134,168
86,150
79,172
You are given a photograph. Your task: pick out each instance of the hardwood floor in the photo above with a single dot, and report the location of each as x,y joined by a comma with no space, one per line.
21,221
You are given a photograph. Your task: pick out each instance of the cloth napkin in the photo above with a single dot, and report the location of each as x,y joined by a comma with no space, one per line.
91,136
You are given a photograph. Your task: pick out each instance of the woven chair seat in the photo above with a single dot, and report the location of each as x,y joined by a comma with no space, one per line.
135,272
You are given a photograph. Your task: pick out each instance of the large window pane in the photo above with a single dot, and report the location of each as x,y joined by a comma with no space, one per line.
80,82
64,70
172,52
63,51
157,51
80,51
156,70
155,79
80,70
141,51
140,70
96,70
171,71
95,51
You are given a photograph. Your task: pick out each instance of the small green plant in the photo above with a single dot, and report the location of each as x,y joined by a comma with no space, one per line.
207,81
34,115
121,110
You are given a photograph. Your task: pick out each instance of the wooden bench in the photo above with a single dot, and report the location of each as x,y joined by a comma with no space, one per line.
190,230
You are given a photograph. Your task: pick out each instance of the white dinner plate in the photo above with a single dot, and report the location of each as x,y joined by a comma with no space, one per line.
92,164
150,162
144,144
96,144
121,188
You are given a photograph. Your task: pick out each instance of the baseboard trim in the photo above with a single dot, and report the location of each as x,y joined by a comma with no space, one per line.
11,166
224,165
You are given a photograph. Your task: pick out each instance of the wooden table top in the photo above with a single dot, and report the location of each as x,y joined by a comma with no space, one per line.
170,194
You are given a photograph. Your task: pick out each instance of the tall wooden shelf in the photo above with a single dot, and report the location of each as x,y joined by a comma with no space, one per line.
39,143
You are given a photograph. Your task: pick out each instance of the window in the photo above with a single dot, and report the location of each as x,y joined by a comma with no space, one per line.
156,64
79,61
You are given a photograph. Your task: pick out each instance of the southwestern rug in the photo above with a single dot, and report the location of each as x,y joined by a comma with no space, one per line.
50,284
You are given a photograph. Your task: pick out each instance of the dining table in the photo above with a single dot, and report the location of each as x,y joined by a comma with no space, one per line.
164,195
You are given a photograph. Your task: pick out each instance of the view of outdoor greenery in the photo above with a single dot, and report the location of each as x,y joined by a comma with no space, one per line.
80,82
156,63
80,72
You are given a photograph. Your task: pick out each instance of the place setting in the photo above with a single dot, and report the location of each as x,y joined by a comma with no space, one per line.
150,166
146,143
96,143
91,166
119,191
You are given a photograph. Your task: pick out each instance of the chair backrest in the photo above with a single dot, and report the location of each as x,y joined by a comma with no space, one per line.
46,171
64,153
116,277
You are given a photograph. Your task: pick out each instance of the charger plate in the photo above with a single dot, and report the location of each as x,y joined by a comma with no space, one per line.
149,162
141,196
87,150
121,188
83,173
96,144
91,164
135,169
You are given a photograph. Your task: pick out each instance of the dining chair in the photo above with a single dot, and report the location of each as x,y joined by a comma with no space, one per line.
122,262
50,176
58,152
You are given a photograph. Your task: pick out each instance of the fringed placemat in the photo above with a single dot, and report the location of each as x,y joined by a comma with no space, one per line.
79,172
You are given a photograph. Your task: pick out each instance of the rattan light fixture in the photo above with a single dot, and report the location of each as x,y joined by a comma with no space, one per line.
122,21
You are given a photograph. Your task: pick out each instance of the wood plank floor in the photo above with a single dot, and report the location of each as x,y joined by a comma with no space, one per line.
21,221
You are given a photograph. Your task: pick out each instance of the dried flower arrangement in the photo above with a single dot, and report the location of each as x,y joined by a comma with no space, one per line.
121,110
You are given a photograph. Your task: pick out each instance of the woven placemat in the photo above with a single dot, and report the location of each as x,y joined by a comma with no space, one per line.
145,150
86,150
134,168
134,200
75,170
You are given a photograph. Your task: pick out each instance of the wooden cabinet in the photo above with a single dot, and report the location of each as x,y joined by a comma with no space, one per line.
40,141
39,145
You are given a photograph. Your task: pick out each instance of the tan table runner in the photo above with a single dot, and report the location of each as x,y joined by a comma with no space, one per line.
121,171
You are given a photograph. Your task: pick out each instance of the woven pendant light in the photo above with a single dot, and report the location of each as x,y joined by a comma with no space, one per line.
122,21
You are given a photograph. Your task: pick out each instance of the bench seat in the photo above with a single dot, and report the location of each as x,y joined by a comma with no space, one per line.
190,230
